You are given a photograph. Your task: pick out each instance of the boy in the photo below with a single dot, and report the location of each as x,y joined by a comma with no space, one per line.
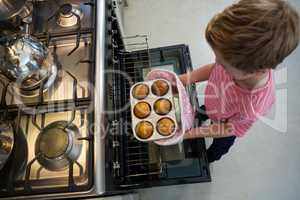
249,39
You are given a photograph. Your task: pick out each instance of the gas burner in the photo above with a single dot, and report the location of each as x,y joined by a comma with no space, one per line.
69,15
57,146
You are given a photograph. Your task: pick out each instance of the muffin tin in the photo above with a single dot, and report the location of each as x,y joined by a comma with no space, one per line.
153,118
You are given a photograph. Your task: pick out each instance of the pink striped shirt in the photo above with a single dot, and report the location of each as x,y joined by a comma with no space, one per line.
226,101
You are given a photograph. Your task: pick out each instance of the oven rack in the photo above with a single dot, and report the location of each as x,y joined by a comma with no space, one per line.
134,162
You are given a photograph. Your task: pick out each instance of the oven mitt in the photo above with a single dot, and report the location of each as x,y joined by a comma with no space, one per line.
186,109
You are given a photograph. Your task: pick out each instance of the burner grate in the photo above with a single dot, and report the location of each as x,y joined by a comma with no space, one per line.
78,29
68,16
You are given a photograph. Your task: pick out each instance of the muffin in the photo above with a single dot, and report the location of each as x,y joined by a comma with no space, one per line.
165,126
162,106
160,88
142,110
144,129
140,91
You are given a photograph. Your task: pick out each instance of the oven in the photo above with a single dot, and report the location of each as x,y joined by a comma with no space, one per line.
132,164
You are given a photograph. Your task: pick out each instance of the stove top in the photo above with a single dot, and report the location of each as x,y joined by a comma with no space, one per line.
55,112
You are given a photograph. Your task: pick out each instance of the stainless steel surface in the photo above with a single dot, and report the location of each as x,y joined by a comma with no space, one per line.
57,145
6,142
10,8
99,133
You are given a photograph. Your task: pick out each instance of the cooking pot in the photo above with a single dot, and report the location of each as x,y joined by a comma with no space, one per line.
57,145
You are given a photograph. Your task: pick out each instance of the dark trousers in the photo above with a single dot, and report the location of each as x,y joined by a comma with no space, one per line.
220,146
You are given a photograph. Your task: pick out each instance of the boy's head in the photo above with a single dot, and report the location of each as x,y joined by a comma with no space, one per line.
253,35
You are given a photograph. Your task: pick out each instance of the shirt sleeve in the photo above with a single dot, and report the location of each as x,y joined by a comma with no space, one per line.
240,127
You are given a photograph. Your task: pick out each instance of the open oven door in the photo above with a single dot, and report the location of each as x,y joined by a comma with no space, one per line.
133,164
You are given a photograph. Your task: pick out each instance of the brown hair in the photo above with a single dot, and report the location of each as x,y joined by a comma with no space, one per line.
254,34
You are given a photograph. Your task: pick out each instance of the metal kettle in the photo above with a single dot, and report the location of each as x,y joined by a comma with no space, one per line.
10,8
22,57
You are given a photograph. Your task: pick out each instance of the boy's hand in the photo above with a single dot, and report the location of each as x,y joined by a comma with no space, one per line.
174,88
198,75
182,78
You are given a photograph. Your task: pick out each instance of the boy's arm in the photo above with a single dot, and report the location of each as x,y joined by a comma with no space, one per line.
198,75
215,130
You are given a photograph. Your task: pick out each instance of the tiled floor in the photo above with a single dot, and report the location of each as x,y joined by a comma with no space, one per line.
263,165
